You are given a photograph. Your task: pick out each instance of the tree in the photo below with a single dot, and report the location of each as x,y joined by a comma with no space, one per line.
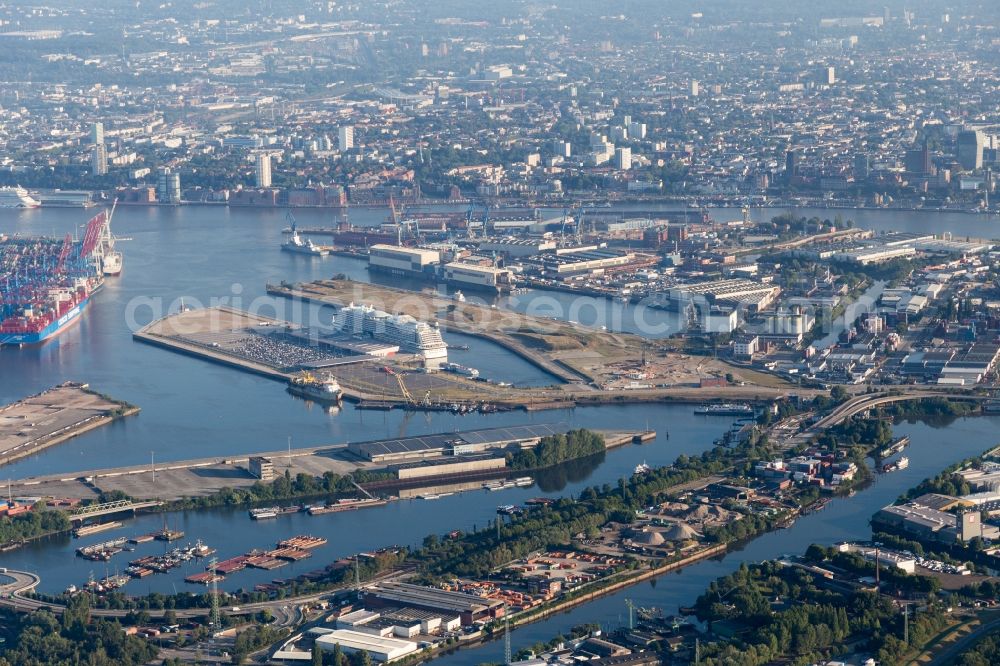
317,656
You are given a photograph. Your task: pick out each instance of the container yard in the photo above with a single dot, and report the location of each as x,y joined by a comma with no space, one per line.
54,416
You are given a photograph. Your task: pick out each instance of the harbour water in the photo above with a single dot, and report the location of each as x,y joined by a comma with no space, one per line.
842,520
191,408
404,522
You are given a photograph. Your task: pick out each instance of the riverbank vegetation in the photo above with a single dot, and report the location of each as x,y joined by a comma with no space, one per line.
776,613
284,488
986,652
75,638
933,411
31,525
555,449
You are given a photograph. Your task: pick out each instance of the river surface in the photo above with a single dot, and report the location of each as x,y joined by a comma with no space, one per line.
931,450
191,408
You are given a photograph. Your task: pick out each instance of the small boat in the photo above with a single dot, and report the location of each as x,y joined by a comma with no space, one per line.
460,370
902,463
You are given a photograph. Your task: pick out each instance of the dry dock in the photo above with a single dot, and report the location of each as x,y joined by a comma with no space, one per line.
53,416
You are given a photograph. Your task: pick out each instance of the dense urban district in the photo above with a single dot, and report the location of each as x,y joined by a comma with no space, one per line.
567,198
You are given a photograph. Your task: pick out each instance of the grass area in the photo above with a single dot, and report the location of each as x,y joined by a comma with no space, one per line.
757,378
943,639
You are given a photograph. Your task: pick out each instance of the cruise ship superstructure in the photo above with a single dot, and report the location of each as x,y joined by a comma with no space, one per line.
412,336
17,197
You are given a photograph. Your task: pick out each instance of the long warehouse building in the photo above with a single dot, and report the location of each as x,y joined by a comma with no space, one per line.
469,607
454,443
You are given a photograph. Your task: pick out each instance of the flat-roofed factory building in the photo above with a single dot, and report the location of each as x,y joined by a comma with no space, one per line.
458,443
381,648
469,607
475,276
399,260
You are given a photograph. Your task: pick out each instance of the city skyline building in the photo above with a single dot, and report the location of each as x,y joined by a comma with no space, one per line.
262,172
345,138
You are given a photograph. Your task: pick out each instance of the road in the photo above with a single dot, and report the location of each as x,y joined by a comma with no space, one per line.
951,652
864,402
12,595
287,612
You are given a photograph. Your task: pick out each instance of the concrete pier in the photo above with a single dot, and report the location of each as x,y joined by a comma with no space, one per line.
54,416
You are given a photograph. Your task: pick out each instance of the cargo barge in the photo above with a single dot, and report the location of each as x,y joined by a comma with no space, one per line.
102,552
725,409
273,511
289,550
895,447
345,505
87,530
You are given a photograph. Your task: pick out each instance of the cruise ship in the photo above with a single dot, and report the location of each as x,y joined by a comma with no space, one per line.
412,336
17,197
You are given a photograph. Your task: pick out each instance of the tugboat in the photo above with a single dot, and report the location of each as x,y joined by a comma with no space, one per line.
309,386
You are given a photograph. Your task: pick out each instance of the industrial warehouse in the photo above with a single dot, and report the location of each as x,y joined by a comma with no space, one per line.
426,263
393,620
455,444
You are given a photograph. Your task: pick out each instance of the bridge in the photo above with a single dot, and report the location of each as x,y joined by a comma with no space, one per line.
108,508
866,401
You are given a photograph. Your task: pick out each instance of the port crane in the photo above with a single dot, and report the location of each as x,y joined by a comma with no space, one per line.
470,218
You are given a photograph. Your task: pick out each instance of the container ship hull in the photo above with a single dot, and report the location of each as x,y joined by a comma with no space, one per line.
51,331
46,285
